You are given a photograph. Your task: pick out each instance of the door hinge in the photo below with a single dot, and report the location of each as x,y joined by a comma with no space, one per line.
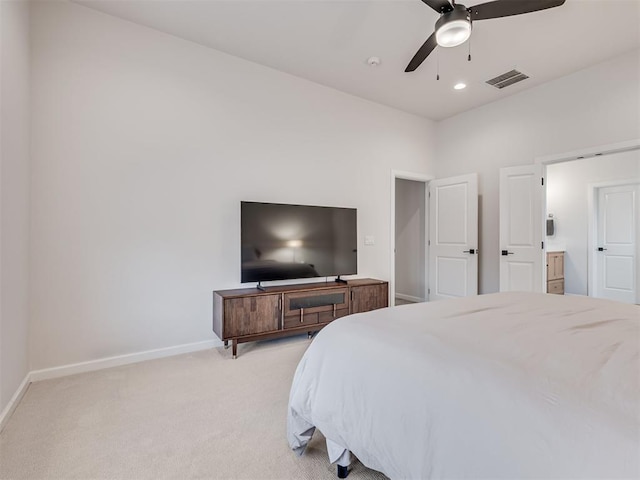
429,291
428,242
542,181
542,245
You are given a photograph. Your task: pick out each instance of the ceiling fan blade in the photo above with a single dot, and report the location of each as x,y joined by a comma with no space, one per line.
422,53
440,6
506,8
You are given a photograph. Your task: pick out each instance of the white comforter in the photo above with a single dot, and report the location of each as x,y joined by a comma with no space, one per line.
509,385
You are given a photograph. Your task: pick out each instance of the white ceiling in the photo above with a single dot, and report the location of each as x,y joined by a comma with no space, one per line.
328,42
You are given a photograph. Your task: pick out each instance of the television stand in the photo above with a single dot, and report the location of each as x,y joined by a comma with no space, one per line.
260,287
340,280
250,314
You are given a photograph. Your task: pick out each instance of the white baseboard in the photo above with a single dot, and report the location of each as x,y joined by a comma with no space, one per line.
92,365
119,360
15,400
409,298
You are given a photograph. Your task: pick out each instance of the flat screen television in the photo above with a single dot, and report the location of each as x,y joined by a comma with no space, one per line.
282,242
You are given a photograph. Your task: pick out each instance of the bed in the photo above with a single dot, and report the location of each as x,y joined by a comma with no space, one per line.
508,385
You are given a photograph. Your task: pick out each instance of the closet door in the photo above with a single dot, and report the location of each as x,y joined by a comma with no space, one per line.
617,243
453,237
521,219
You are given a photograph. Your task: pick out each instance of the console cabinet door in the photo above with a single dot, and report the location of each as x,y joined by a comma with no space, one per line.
369,297
251,315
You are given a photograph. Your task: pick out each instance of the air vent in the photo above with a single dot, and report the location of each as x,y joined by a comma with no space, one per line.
506,79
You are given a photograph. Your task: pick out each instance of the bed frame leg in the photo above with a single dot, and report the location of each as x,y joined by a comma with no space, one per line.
343,459
343,471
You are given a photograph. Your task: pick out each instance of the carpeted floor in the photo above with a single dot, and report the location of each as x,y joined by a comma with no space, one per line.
199,415
400,301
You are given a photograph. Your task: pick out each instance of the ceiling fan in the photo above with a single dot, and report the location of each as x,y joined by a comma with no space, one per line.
454,25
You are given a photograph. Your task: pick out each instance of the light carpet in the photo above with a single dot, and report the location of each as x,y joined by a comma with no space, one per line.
199,415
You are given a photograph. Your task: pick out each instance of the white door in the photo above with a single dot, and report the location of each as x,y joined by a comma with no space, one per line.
616,263
521,217
453,237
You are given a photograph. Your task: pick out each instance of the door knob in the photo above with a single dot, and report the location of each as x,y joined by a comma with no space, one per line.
505,253
472,251
600,249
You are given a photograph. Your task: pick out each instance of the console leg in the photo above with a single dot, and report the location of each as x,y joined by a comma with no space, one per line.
234,348
309,334
343,471
226,344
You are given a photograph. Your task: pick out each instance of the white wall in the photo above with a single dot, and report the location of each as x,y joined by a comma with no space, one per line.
567,200
596,106
143,147
14,195
410,239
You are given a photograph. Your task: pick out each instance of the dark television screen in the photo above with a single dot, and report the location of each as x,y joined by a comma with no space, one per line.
282,242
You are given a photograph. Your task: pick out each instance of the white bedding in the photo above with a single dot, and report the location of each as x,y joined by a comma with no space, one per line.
509,385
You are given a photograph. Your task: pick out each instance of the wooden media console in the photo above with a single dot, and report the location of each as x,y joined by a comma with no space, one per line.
249,314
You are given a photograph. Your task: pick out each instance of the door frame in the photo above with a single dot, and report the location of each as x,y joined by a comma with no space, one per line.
416,177
592,192
595,151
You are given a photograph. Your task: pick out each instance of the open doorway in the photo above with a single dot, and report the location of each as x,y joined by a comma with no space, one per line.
410,241
434,239
575,225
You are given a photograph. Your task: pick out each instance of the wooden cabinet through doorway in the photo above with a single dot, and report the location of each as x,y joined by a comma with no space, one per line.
555,272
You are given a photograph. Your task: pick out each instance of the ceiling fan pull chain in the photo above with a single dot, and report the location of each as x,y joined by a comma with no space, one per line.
469,57
438,65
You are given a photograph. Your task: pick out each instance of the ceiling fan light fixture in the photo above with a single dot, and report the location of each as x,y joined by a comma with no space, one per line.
454,27
453,33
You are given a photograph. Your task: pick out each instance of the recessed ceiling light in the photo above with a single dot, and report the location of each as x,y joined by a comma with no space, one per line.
460,86
373,61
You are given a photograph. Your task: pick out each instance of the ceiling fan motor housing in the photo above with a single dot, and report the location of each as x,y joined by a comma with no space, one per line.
454,27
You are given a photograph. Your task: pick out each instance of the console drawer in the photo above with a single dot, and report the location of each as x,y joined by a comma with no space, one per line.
326,317
314,302
293,321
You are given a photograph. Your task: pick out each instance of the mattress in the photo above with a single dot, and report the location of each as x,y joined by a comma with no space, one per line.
508,385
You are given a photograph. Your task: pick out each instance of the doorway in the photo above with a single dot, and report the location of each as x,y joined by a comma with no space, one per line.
434,239
410,241
573,208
